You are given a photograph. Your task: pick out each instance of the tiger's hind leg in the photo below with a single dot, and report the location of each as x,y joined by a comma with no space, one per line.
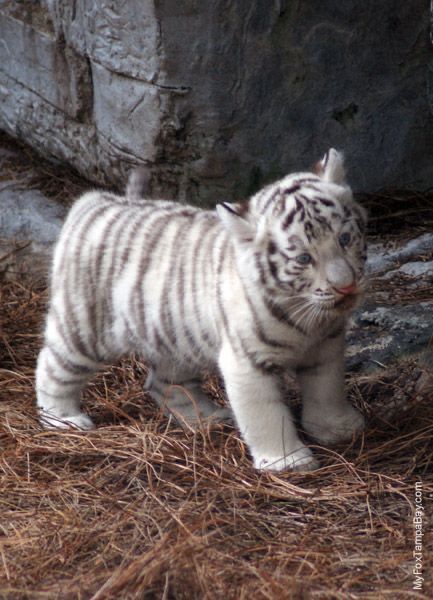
59,382
182,396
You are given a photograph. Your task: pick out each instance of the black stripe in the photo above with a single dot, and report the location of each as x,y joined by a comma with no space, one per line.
119,245
229,208
267,367
273,269
79,286
326,202
137,296
203,248
73,220
258,257
258,325
288,220
308,180
50,371
299,204
105,251
160,345
222,258
182,276
307,369
270,200
132,235
166,321
280,315
72,325
70,365
292,189
272,248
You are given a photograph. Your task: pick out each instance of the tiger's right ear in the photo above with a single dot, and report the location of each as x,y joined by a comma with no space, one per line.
235,222
331,167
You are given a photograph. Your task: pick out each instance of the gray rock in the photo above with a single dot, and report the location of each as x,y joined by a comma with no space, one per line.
29,226
28,214
33,56
122,37
384,334
216,98
27,115
136,105
418,269
381,258
415,274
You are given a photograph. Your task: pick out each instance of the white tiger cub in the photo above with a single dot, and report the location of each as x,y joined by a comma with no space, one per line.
255,289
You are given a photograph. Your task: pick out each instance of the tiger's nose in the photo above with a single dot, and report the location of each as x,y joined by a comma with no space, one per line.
341,276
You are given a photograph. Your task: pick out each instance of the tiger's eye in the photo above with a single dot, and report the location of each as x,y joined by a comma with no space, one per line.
344,239
304,259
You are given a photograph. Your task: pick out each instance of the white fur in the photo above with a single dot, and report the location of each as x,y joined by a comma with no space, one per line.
199,290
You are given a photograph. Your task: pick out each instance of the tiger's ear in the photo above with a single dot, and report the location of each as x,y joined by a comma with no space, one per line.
331,167
235,222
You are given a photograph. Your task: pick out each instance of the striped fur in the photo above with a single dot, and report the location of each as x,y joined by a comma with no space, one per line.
254,290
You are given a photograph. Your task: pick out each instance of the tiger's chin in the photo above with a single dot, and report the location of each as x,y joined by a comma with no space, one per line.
340,307
347,303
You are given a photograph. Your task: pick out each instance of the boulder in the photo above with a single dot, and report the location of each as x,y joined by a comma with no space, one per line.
29,225
396,320
216,98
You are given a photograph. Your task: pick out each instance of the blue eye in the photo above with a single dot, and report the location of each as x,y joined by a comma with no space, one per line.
304,259
344,239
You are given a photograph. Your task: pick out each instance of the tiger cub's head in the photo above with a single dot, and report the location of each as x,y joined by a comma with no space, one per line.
302,239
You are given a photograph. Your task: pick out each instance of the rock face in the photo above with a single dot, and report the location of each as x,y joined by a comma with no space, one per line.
217,97
29,224
396,320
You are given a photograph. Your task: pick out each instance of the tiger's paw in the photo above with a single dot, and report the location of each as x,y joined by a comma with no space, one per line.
80,421
336,427
301,459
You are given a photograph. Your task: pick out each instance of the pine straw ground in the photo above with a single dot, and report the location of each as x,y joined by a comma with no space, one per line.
139,508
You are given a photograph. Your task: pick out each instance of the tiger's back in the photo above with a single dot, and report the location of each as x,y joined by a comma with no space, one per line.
139,271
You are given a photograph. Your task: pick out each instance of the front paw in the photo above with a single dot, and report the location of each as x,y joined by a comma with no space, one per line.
80,421
336,426
301,459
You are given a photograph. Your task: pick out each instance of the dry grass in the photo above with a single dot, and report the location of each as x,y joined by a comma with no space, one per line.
399,213
140,509
26,169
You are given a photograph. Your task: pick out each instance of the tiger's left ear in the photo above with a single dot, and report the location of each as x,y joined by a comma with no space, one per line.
331,167
235,222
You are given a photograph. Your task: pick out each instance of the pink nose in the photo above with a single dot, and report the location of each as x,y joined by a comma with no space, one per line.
347,290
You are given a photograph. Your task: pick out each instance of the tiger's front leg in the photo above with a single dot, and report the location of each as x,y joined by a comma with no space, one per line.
326,413
264,420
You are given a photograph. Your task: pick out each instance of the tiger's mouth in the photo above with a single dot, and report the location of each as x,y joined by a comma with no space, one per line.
342,304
